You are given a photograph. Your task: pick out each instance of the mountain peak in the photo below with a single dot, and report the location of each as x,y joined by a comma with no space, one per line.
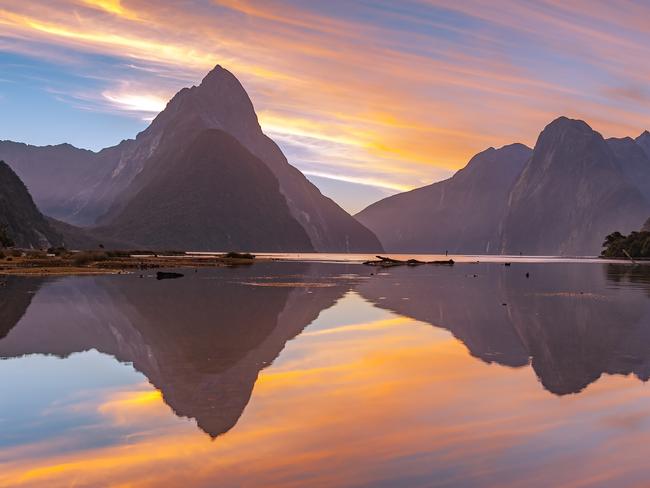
566,131
563,123
512,155
644,141
218,75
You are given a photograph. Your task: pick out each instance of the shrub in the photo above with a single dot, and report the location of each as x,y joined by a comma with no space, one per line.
5,239
240,255
636,244
57,251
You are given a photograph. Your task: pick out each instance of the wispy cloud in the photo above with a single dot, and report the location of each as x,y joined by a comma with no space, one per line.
142,103
400,93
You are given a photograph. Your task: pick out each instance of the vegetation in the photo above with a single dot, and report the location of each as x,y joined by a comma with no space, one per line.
239,255
57,251
636,245
58,261
5,239
87,257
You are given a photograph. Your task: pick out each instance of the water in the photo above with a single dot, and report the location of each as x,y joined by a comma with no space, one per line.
321,374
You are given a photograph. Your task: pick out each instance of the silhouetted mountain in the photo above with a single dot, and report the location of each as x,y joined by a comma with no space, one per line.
633,161
644,141
570,195
566,320
209,193
462,214
60,178
96,187
201,340
25,225
563,199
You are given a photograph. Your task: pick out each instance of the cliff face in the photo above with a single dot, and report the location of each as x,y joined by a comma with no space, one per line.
562,198
461,215
571,194
210,193
23,222
86,188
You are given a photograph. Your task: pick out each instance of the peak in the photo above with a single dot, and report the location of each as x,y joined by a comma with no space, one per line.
516,146
644,135
218,75
565,123
564,130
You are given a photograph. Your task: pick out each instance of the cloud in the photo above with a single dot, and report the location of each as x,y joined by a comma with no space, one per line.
142,103
393,94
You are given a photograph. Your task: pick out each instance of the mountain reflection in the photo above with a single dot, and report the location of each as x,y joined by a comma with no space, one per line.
565,319
15,296
203,340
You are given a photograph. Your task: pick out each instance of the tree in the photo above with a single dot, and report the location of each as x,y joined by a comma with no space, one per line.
5,239
636,244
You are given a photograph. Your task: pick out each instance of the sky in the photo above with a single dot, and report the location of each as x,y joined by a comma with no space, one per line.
367,98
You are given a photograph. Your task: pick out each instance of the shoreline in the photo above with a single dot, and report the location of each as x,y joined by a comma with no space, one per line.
35,263
99,264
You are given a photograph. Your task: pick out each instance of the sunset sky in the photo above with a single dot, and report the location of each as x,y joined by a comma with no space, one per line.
366,97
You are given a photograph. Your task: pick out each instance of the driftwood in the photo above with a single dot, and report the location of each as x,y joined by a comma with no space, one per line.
164,275
387,262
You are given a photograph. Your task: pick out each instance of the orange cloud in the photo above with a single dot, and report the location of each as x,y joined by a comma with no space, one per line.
407,101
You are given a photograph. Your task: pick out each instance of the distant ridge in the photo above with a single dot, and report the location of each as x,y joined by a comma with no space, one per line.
462,214
562,198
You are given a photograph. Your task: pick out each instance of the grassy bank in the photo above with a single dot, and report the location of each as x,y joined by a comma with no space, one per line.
61,262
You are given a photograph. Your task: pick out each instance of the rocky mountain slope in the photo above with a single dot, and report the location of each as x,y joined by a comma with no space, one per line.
461,214
94,188
210,193
562,198
19,216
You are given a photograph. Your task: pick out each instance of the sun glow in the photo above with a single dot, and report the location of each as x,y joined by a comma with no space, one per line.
135,102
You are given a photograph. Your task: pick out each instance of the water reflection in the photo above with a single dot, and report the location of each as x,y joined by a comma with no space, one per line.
375,392
202,341
564,319
15,296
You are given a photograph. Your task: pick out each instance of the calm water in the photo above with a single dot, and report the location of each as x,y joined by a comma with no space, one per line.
314,374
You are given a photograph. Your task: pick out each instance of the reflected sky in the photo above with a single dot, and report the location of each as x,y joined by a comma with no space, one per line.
328,376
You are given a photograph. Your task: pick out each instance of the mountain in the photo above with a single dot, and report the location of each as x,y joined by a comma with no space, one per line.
24,224
94,188
209,193
60,178
571,194
644,141
562,198
461,214
633,160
